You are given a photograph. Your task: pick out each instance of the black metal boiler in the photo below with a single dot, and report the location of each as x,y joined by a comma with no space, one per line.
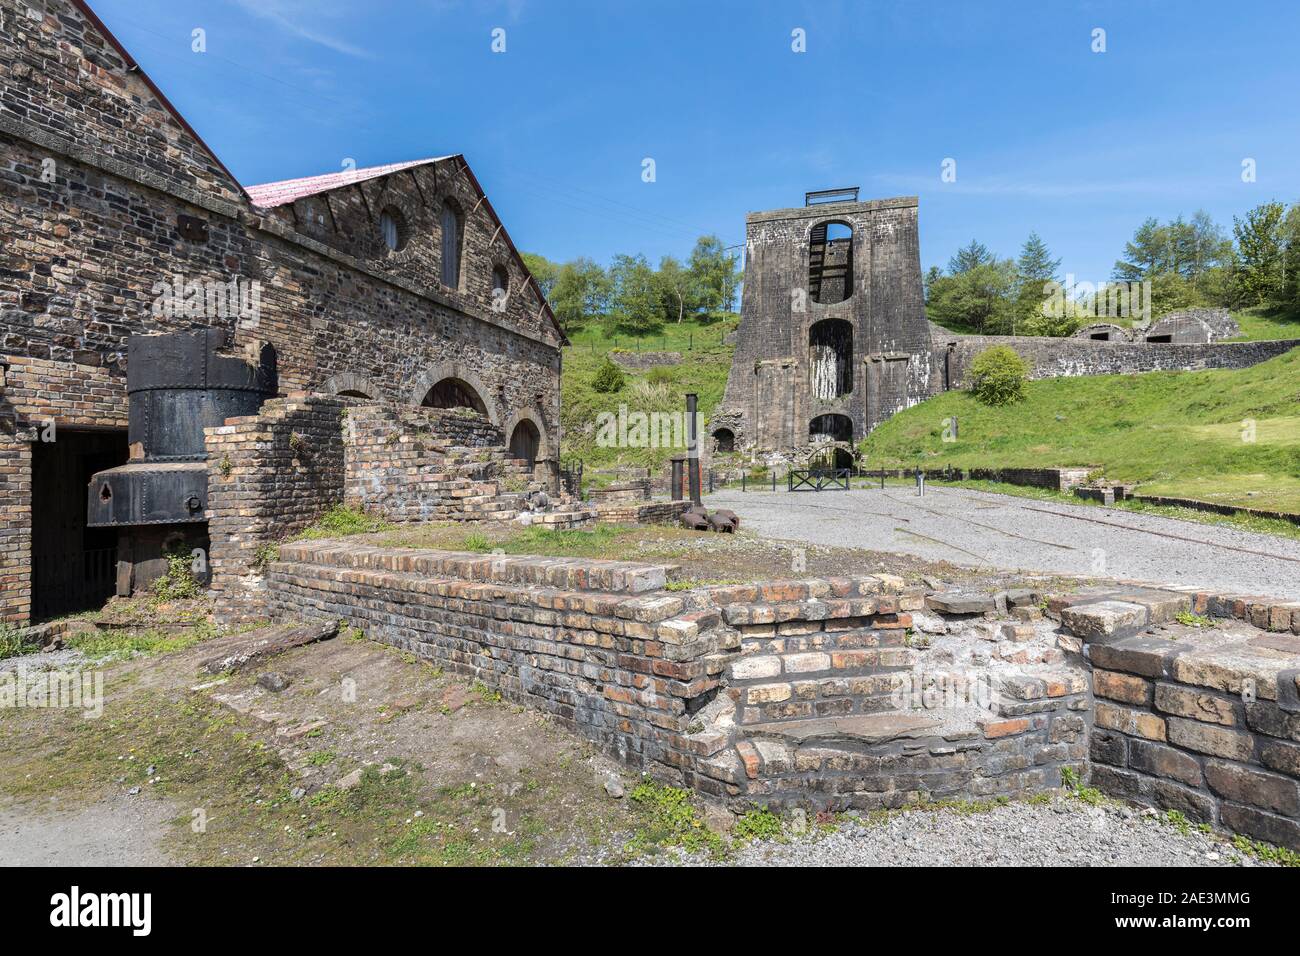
177,385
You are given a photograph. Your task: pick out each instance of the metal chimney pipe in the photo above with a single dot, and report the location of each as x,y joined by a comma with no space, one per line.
692,448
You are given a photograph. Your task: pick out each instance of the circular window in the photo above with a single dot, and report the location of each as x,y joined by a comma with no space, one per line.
393,229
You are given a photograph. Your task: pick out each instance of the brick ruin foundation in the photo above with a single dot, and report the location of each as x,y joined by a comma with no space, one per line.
853,693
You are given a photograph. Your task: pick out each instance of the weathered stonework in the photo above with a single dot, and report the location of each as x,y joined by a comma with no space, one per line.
833,338
118,220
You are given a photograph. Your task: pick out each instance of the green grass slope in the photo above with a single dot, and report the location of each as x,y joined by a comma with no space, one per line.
1175,433
706,360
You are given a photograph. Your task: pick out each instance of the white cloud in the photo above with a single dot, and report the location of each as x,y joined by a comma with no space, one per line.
294,19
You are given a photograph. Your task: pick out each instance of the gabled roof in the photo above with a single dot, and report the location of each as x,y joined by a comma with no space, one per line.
270,195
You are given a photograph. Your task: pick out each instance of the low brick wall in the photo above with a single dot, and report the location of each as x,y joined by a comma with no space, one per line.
779,692
633,490
641,361
1219,509
641,512
1207,724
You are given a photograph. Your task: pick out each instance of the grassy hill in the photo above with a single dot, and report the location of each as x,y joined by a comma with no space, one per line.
706,360
1177,433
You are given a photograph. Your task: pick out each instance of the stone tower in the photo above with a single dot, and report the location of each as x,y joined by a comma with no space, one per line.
833,338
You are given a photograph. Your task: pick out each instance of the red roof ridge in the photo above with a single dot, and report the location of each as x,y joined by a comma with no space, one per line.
269,195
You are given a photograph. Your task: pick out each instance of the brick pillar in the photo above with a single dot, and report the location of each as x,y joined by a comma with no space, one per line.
15,530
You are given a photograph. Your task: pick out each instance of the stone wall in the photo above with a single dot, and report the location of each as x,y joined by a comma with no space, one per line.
269,476
1205,724
1060,357
642,361
15,528
1057,479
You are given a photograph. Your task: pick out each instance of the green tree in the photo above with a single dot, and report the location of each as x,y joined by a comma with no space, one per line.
543,270
607,378
677,289
634,303
1035,271
970,257
580,292
1259,276
715,274
978,298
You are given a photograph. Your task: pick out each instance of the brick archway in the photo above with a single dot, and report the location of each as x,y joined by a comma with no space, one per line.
454,370
349,383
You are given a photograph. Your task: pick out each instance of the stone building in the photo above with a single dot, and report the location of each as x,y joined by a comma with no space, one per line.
396,283
833,336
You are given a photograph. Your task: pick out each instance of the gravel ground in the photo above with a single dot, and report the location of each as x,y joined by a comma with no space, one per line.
1064,832
980,529
116,831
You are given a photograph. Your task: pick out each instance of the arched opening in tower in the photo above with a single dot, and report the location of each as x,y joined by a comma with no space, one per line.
830,262
830,358
836,433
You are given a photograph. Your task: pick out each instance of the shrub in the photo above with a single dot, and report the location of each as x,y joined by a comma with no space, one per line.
608,377
998,376
659,375
179,583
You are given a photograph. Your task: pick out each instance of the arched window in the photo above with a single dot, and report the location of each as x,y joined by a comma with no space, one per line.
393,229
725,441
500,280
450,246
830,262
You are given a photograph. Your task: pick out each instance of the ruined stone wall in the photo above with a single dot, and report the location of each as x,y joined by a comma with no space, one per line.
640,512
1209,725
769,392
1060,357
269,476
423,464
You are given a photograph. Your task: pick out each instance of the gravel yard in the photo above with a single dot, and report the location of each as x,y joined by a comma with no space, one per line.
979,529
1062,832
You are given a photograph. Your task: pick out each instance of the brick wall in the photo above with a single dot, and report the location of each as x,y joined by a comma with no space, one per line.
1208,724
423,464
15,528
269,476
640,512
714,688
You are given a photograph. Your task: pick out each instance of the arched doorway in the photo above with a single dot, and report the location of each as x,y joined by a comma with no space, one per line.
525,441
724,441
454,393
835,431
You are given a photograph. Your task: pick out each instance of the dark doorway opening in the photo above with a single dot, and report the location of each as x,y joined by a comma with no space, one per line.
830,358
74,568
525,442
1160,338
1101,336
726,440
830,262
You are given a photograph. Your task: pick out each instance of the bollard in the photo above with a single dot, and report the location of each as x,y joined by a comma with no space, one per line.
920,483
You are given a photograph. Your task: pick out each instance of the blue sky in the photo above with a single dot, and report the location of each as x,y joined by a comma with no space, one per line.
1046,134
